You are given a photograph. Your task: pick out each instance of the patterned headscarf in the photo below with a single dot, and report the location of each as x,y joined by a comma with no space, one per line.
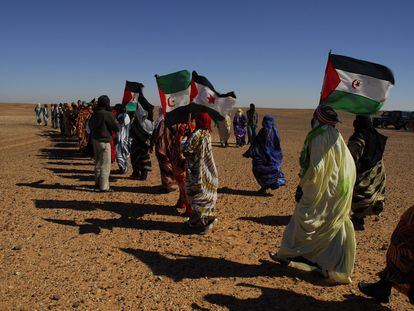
203,121
326,115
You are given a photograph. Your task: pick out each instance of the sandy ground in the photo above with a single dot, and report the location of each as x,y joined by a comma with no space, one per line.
64,246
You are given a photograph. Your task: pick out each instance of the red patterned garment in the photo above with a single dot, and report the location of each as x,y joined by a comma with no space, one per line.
179,132
162,140
83,116
400,255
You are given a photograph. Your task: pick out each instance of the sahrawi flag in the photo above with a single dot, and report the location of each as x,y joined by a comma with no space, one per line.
174,90
133,95
354,85
206,99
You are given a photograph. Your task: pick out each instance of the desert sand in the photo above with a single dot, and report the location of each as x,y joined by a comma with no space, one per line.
65,246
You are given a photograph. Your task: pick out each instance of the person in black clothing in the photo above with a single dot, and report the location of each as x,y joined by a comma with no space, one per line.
141,134
102,123
252,119
367,148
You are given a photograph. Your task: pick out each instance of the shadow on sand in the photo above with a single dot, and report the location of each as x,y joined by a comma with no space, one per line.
156,190
218,145
58,170
70,163
95,225
281,299
125,210
129,213
269,220
62,153
178,267
56,186
250,193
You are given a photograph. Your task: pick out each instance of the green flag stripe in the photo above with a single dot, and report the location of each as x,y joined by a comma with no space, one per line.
352,103
174,82
131,106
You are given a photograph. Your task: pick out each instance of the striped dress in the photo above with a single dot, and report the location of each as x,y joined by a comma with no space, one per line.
201,177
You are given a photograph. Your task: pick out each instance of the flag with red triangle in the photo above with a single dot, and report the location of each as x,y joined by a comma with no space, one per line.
354,85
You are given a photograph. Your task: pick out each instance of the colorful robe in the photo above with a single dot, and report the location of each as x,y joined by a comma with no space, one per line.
201,175
239,125
178,164
162,140
320,235
83,137
400,255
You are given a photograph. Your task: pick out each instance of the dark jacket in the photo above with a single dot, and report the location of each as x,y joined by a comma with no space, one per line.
252,117
102,123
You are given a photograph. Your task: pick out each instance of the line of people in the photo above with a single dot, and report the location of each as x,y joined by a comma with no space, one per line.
340,184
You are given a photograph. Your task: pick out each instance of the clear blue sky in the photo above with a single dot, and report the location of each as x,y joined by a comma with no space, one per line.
272,53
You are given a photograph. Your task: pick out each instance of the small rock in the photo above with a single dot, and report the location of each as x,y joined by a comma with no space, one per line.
17,247
76,304
55,297
159,278
384,247
353,292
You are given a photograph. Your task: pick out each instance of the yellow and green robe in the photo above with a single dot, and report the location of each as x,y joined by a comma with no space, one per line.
320,235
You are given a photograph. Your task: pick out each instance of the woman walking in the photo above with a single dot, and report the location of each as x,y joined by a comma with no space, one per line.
320,235
45,113
180,133
367,148
239,124
123,143
141,132
201,178
162,141
266,152
38,113
224,127
399,269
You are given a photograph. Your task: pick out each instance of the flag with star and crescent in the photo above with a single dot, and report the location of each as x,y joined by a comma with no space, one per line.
174,90
133,95
354,85
182,94
204,98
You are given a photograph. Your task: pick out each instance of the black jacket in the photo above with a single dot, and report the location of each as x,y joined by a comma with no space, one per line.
102,123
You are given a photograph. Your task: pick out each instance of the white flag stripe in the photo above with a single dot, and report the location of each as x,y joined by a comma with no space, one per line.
373,88
179,99
223,105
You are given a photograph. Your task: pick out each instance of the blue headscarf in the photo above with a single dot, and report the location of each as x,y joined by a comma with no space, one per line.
267,155
270,141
